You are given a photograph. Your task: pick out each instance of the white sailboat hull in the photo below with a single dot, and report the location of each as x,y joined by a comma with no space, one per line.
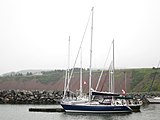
155,100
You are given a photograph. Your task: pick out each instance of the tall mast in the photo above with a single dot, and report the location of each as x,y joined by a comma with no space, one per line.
113,80
90,72
111,77
81,75
109,85
125,78
71,73
66,82
68,63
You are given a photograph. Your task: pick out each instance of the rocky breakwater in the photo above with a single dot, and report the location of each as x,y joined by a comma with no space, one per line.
30,97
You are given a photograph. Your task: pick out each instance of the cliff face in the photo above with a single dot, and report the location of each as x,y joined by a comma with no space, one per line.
25,85
136,80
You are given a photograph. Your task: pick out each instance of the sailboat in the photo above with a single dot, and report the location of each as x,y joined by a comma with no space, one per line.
154,100
92,106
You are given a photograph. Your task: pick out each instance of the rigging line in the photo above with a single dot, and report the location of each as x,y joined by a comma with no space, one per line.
154,76
104,67
104,82
78,51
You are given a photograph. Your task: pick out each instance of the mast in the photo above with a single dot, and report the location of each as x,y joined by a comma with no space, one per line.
71,73
109,85
125,80
90,72
113,80
68,63
66,82
80,88
111,77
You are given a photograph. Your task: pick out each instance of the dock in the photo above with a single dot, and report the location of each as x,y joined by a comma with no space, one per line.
46,110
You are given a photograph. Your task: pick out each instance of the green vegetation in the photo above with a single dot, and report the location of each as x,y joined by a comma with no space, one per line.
139,80
142,80
51,76
45,77
139,75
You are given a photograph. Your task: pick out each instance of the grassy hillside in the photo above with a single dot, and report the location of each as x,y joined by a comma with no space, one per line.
137,80
142,80
46,77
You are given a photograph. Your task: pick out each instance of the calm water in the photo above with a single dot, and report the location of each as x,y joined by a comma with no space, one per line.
20,112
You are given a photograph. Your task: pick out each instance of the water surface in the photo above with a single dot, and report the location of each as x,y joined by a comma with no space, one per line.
21,112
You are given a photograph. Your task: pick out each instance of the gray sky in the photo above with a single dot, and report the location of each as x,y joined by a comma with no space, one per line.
34,33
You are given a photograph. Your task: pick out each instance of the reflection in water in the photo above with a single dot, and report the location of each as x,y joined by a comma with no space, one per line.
89,116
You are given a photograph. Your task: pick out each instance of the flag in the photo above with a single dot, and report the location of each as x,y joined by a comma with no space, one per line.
84,82
123,92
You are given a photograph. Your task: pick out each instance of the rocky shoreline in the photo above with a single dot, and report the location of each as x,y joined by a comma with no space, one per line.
30,97
48,97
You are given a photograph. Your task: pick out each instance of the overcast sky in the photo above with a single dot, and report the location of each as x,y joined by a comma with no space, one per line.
34,33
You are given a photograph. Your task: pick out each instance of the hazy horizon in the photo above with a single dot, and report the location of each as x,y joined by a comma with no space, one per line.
34,70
